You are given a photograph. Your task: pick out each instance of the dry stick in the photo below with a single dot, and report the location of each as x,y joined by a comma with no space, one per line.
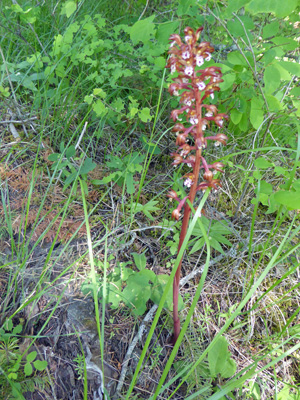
151,312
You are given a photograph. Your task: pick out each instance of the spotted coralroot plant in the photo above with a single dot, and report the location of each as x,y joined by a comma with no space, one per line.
195,85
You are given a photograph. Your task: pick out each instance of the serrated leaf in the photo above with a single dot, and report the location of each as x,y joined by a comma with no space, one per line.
100,108
147,208
142,30
289,199
17,329
144,114
184,6
40,365
99,92
88,99
233,6
130,188
285,43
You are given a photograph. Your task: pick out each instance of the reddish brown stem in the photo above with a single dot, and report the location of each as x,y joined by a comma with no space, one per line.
184,228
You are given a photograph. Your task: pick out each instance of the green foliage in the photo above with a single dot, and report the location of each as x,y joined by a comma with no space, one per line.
17,376
123,173
269,195
219,360
133,288
216,236
66,164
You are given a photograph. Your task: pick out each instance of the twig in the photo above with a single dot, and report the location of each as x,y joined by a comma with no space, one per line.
81,135
144,10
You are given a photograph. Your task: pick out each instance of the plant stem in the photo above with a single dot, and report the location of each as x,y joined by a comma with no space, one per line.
184,227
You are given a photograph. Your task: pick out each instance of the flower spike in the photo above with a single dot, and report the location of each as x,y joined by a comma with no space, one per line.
196,83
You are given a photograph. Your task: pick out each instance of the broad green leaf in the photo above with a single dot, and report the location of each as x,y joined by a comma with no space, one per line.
235,116
296,104
256,113
284,74
244,122
278,7
160,62
295,92
289,199
265,187
164,31
236,28
233,6
87,166
271,79
40,365
270,29
269,56
262,163
236,58
70,152
137,291
286,44
273,103
31,356
68,8
142,30
140,260
219,359
292,67
28,370
228,81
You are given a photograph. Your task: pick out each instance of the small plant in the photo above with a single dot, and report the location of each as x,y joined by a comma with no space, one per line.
133,288
124,170
17,376
193,85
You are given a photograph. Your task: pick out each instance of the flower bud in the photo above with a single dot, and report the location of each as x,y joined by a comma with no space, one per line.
208,175
177,158
172,195
176,214
180,139
221,138
217,166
